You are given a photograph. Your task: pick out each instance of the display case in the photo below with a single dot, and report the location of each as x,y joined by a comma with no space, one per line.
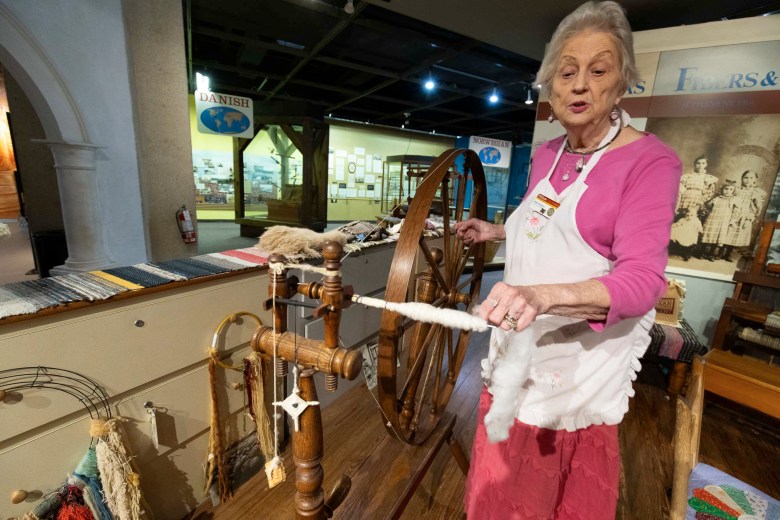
282,175
402,175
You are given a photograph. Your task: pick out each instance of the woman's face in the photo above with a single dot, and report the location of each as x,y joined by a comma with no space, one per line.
728,191
587,83
749,180
700,165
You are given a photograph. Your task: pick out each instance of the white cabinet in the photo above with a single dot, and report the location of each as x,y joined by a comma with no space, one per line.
44,432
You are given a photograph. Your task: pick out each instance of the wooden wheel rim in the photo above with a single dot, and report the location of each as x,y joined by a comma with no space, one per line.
397,286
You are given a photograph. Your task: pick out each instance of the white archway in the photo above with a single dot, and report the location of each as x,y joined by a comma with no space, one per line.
67,137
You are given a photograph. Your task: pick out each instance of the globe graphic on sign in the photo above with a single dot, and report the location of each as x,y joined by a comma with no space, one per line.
489,155
224,120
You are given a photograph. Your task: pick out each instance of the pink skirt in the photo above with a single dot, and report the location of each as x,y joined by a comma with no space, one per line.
543,474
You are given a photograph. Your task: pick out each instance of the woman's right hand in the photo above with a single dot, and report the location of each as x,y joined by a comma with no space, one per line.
474,231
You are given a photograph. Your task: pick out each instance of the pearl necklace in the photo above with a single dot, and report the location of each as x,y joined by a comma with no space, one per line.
581,162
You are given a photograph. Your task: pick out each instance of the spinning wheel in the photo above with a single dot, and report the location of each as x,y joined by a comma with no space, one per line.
414,397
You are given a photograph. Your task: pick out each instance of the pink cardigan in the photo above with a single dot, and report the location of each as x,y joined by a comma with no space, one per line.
626,215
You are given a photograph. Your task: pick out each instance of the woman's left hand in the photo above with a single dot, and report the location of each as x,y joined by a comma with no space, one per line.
512,307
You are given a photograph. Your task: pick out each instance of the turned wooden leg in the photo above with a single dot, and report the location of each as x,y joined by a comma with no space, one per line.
677,377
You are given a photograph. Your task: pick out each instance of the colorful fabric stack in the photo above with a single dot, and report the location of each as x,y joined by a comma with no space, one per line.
677,343
31,296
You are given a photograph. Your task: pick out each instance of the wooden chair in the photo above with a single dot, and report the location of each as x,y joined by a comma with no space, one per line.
689,473
686,439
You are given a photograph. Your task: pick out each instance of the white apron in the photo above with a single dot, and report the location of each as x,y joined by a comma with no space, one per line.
578,376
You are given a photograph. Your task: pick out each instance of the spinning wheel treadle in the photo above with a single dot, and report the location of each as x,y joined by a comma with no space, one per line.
414,397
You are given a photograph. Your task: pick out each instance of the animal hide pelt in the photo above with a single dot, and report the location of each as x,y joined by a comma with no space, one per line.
286,240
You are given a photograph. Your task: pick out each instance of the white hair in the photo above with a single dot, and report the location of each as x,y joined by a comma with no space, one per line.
607,17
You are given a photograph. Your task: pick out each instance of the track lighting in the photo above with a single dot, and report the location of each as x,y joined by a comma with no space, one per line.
349,8
529,100
493,97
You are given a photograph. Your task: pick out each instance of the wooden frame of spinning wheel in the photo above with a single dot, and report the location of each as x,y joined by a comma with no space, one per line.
433,356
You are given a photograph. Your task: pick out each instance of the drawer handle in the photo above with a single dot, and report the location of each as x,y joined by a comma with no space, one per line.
139,323
18,496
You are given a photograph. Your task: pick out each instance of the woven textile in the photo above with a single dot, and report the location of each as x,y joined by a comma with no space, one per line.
149,268
221,262
127,284
31,296
190,268
12,305
63,293
35,292
91,287
138,276
250,255
677,343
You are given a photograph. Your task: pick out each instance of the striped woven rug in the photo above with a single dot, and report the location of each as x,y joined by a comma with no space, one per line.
31,296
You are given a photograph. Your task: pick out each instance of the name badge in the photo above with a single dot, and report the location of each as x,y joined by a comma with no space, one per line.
545,206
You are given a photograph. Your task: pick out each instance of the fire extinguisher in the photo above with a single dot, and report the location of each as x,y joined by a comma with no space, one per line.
184,221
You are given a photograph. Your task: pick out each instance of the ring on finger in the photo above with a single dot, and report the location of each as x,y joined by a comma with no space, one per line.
492,303
511,321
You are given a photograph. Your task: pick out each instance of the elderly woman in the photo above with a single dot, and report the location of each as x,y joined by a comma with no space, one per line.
585,256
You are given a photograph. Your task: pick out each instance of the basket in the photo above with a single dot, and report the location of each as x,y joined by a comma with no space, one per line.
491,246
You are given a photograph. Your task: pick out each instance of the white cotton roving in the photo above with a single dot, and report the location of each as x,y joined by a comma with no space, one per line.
418,311
507,378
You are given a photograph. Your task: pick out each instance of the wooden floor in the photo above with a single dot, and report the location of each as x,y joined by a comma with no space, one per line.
747,449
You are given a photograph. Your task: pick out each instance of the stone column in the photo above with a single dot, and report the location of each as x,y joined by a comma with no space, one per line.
76,177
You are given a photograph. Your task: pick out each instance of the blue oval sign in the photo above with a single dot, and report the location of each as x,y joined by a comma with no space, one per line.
224,120
489,155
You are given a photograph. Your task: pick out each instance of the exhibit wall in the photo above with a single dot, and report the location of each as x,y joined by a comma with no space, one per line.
356,162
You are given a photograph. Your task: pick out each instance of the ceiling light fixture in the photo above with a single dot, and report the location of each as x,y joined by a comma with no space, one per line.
529,100
201,82
493,97
349,8
429,83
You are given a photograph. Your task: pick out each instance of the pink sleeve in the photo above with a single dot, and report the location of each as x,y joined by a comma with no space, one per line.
641,237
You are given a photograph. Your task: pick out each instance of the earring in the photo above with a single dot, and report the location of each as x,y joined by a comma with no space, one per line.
615,114
551,117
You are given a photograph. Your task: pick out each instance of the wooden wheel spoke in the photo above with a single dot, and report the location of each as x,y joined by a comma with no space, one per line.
450,342
434,268
467,281
413,375
462,260
426,382
445,210
437,365
461,198
441,301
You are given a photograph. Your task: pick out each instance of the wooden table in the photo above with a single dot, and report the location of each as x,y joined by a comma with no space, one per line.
744,380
